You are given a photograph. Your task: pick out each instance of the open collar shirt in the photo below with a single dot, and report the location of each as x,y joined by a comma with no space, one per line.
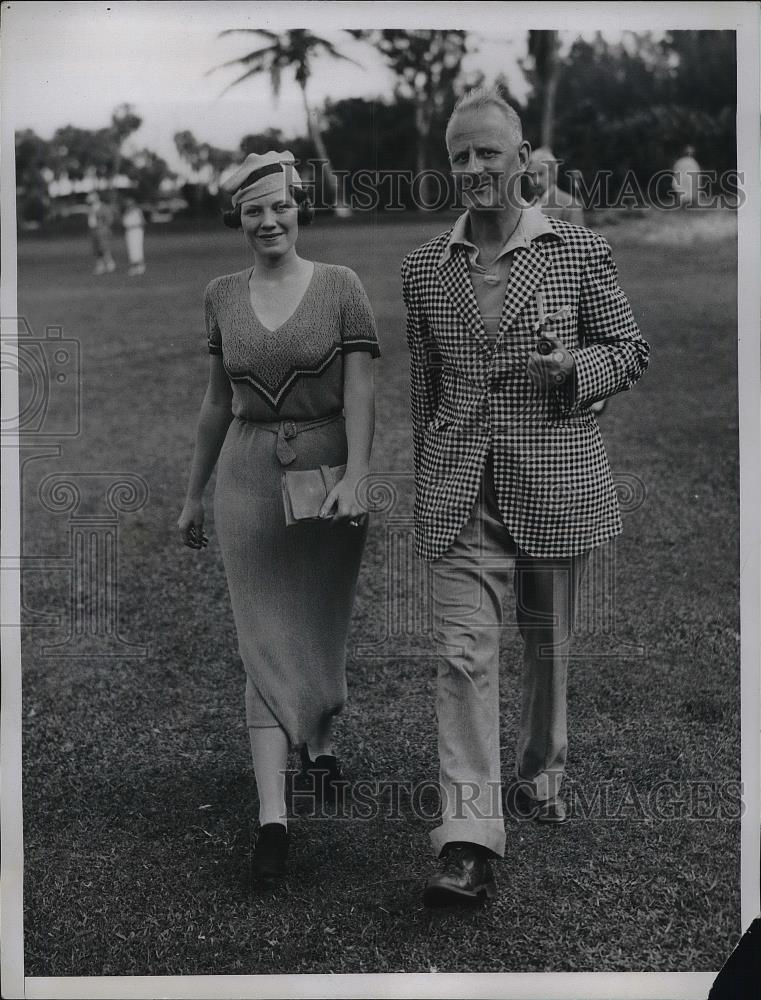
490,280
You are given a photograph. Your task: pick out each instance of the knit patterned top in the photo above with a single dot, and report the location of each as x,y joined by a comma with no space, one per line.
296,371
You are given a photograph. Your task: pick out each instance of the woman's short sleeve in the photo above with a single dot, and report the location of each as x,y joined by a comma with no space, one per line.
213,334
358,330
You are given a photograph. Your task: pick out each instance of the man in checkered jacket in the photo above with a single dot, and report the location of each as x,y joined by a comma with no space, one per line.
516,325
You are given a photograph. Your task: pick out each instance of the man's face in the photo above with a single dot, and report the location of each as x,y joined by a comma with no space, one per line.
486,161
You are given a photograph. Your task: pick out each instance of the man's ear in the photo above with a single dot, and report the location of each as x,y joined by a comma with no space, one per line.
524,155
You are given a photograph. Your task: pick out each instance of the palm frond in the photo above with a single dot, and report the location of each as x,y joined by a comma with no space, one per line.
241,60
333,51
251,72
248,31
290,50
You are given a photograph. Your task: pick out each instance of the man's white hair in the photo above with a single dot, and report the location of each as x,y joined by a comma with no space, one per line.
479,98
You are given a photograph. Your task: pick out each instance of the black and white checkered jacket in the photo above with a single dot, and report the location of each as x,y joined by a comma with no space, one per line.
551,472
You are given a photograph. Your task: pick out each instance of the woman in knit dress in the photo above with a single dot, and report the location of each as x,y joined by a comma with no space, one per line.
291,344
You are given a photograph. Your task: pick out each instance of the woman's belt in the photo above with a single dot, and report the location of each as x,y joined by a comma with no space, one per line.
286,430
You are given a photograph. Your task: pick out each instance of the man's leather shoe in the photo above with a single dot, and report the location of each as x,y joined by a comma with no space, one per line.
270,859
520,805
465,878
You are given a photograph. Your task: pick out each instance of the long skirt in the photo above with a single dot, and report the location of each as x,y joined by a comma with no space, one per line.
291,588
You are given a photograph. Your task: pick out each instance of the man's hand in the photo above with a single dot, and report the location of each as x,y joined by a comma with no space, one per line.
548,371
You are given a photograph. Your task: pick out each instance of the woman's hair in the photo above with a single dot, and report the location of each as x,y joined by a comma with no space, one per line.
231,218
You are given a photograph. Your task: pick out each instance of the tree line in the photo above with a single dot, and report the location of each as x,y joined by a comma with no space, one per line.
626,107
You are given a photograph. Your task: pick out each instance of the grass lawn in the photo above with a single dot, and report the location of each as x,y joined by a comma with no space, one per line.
139,798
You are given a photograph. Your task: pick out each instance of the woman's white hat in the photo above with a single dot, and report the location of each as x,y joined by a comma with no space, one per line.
262,175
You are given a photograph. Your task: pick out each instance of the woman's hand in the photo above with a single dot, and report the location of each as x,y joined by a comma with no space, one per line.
342,504
190,525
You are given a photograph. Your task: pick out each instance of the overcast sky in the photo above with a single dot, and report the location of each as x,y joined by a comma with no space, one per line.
73,63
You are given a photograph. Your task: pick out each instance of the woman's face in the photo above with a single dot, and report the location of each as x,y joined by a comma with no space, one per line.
270,224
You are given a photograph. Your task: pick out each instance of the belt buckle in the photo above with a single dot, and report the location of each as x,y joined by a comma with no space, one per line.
289,429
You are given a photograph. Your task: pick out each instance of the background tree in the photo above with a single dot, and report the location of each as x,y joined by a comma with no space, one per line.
124,121
543,49
98,157
147,171
78,152
261,142
206,164
627,107
377,138
32,155
205,161
427,65
630,107
291,51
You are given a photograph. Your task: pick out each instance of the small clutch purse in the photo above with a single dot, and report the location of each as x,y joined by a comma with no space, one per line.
304,492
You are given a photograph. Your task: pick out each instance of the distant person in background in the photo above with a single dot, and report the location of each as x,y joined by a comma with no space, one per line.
685,185
544,192
99,222
133,221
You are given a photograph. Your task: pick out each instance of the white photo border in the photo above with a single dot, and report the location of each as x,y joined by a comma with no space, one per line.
743,18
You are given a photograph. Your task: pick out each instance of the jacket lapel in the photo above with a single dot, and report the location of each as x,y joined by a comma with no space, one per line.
526,274
455,279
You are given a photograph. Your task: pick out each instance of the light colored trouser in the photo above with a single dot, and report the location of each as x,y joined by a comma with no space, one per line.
134,240
469,584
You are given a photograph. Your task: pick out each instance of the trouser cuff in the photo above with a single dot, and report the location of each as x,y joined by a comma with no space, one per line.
487,833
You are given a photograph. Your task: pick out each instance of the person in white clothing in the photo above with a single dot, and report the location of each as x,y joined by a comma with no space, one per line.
686,178
133,221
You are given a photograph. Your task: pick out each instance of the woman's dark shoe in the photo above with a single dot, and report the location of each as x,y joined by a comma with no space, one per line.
321,784
466,878
270,861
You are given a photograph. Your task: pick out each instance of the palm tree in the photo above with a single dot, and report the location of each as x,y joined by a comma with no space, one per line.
543,46
291,50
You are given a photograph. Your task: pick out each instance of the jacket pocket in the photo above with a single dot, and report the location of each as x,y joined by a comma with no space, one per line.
443,417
